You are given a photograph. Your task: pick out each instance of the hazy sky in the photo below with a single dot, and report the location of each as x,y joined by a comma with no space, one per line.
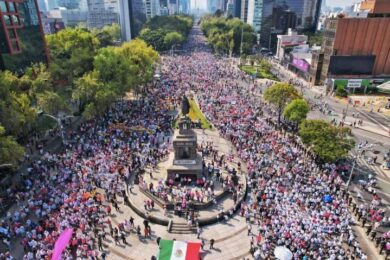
341,3
202,4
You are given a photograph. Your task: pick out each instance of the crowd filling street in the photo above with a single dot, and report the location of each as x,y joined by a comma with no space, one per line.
292,201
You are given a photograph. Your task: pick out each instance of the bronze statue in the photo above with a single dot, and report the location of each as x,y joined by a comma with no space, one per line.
185,106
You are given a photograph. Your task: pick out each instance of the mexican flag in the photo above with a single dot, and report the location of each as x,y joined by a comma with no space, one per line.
178,250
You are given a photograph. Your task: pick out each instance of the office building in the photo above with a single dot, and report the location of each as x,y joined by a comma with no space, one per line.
22,40
101,13
68,4
152,8
273,17
288,41
230,8
173,7
52,23
237,8
244,10
184,6
356,49
255,10
132,16
214,5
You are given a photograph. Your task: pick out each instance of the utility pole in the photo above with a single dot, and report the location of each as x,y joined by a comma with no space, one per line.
242,38
351,174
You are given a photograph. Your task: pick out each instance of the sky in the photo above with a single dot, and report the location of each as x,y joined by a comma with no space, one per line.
340,3
202,4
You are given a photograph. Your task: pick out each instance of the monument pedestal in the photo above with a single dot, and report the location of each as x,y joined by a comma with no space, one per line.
186,162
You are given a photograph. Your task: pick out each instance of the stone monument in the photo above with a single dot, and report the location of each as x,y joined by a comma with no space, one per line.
186,161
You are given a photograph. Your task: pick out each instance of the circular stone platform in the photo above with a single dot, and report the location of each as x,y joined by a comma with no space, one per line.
206,212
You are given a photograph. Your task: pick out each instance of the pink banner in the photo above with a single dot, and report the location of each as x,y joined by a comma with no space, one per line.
61,243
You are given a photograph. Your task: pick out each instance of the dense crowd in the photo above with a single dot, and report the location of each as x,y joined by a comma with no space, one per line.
292,201
77,187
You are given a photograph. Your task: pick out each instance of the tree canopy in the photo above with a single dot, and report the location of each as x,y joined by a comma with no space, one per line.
86,67
10,151
296,111
328,142
225,35
163,32
279,95
71,51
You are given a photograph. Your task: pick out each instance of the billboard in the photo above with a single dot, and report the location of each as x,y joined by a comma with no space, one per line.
292,40
351,65
354,83
301,64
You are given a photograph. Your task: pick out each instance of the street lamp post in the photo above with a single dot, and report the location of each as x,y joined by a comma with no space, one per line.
59,122
353,167
351,174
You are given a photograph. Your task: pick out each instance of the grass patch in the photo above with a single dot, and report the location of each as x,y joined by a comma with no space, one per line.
196,114
259,71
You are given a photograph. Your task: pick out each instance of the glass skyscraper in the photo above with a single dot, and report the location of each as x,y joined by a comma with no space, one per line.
21,35
279,15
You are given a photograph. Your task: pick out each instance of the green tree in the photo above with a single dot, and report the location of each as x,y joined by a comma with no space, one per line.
39,80
72,51
155,38
93,96
328,142
141,57
10,151
85,90
280,94
228,35
162,32
296,111
108,35
173,38
16,111
112,69
51,103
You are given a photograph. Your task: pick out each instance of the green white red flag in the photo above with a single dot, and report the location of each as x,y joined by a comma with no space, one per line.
178,250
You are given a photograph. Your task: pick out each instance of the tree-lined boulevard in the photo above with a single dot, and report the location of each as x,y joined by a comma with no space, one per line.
293,165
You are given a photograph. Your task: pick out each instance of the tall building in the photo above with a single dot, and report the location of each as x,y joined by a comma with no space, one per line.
152,8
230,8
132,16
255,10
68,4
244,10
101,13
237,8
173,7
214,5
184,6
276,16
22,40
356,51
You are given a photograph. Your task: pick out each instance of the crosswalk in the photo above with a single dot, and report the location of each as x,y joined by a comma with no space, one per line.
380,173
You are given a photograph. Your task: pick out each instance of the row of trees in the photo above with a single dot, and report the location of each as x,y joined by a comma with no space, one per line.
86,74
330,143
228,35
166,32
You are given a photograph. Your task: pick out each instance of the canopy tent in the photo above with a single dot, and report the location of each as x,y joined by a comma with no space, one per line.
178,250
385,86
283,253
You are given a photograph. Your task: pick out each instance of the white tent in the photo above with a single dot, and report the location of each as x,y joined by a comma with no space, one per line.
384,86
283,253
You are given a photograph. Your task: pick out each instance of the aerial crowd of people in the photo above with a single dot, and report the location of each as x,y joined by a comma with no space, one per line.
292,201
